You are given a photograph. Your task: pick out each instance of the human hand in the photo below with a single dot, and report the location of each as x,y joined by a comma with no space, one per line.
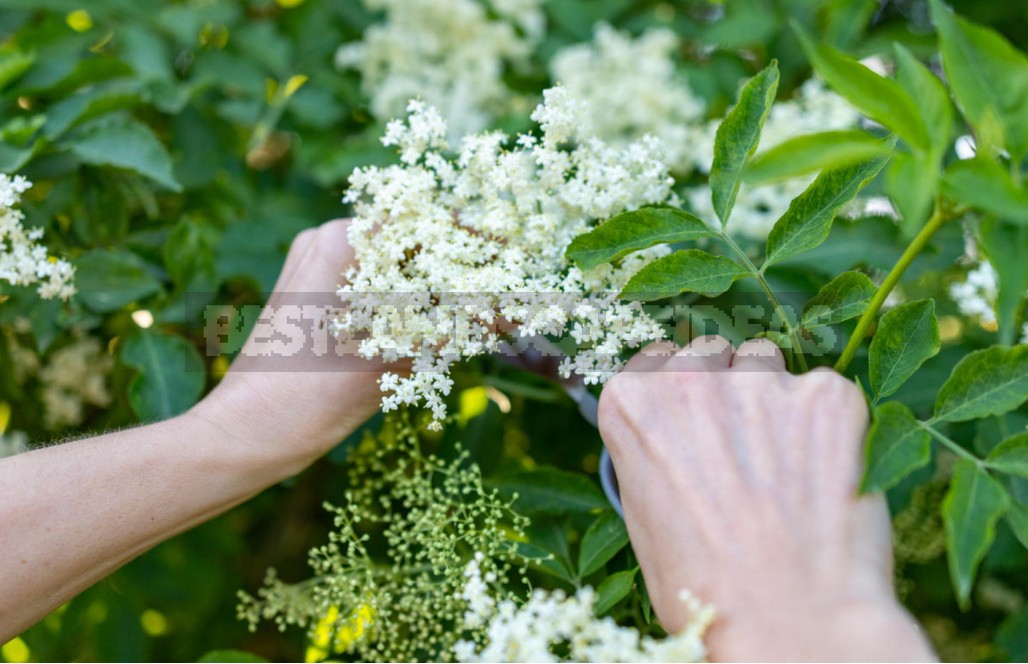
739,483
290,414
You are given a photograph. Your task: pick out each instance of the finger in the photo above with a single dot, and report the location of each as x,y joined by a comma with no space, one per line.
652,357
327,255
758,355
294,257
707,353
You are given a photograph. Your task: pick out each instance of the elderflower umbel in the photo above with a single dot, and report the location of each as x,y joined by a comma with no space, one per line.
23,261
451,53
388,585
814,109
634,89
74,377
551,622
451,252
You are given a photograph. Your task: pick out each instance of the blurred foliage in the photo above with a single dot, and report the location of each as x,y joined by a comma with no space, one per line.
177,147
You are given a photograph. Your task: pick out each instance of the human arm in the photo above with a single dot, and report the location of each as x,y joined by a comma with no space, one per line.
740,484
71,514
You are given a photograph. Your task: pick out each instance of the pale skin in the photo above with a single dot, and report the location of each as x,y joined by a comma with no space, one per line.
739,483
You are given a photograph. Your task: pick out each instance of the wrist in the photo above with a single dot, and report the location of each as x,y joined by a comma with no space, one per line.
856,630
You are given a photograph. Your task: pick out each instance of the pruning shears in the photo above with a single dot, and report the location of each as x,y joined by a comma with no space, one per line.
541,357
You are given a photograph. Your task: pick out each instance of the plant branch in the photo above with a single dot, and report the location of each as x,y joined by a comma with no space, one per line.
951,445
911,252
797,350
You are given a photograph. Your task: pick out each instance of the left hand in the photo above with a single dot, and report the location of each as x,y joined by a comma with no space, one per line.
293,413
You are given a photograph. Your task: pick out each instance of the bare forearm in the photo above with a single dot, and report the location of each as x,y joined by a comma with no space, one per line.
76,512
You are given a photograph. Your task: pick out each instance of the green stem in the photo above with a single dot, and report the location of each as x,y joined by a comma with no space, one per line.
911,252
948,443
797,350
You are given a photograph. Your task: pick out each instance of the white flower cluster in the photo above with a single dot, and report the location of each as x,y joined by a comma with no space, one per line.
976,295
13,443
552,622
23,261
450,53
74,376
814,109
634,89
453,252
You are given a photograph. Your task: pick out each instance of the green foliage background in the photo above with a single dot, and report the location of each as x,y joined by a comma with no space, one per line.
172,152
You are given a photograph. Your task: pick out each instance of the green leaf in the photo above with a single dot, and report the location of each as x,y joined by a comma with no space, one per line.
614,589
906,337
545,561
189,252
1017,517
108,279
896,446
1004,244
633,231
931,96
129,145
877,97
229,656
986,382
912,181
811,153
970,510
737,138
690,270
988,76
841,299
13,64
602,540
91,103
1011,456
984,184
809,218
551,491
171,375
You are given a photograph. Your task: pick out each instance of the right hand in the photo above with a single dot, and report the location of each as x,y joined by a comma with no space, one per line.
740,485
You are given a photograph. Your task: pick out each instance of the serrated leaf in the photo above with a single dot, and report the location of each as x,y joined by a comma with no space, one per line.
930,94
812,153
614,589
1004,244
171,375
129,145
877,97
906,337
602,540
633,231
896,446
970,510
984,184
841,299
986,382
912,182
1017,517
737,138
108,279
988,76
1011,456
551,491
690,270
808,220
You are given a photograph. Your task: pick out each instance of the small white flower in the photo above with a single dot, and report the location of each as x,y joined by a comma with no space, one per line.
23,261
